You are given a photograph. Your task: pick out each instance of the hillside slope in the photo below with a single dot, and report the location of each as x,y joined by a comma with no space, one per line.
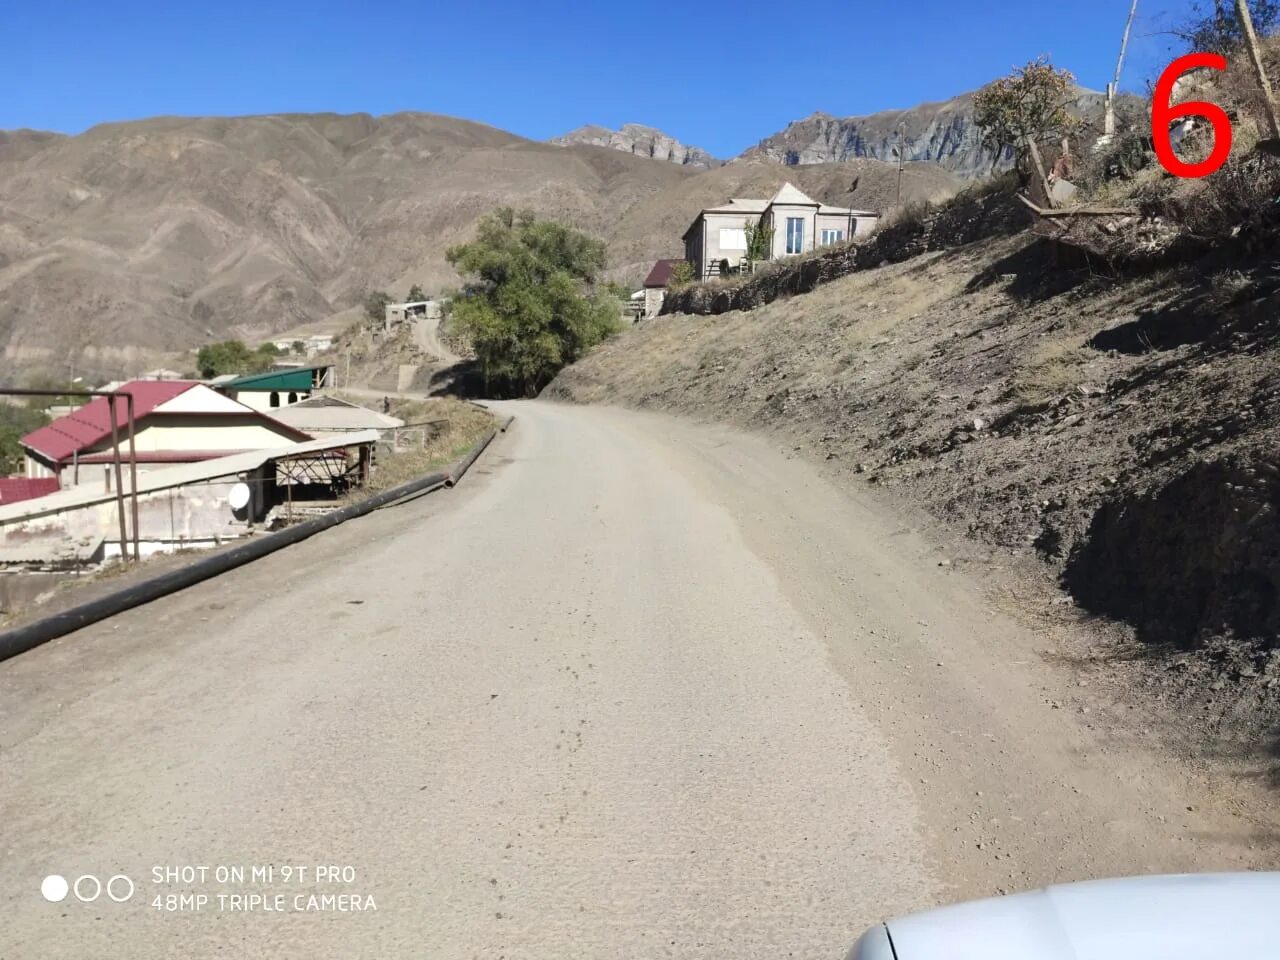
165,233
1122,433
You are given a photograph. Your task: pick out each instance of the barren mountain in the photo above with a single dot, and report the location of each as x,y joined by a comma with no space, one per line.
136,239
162,234
942,132
642,141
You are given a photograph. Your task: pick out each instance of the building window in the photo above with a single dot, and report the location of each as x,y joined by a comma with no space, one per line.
275,399
832,236
293,397
795,234
733,238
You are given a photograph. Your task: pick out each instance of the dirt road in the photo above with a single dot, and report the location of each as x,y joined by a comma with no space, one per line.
426,333
636,688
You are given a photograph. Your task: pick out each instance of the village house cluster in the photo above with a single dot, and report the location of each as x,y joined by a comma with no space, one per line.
183,464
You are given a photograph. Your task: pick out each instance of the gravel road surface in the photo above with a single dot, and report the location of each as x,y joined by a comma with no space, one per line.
635,688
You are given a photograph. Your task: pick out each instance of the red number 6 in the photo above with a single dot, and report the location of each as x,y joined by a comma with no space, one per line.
1162,114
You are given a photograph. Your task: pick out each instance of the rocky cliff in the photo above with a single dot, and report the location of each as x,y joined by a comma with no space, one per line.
941,132
642,141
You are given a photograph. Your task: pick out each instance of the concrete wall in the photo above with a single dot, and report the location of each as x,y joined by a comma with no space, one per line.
35,468
19,590
193,515
177,433
778,216
693,248
653,298
863,227
713,223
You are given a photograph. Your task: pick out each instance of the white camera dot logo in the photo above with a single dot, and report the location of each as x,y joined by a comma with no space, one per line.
54,888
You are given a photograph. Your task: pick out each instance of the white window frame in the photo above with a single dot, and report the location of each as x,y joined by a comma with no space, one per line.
831,235
795,235
738,239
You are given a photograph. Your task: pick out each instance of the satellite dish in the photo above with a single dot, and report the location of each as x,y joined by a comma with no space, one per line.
239,497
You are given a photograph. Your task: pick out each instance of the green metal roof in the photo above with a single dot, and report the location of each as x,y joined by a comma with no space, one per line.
296,378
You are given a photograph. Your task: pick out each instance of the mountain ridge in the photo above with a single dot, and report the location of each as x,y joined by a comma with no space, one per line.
939,131
639,140
140,238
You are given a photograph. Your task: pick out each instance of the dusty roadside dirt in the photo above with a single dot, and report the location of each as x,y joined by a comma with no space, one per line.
1114,436
635,687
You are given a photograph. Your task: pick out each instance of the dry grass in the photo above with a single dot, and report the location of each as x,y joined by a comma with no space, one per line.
1054,369
445,443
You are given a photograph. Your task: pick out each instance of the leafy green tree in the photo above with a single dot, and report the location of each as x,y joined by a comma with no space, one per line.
759,239
299,347
1030,106
16,421
681,275
375,304
417,294
270,350
532,304
232,356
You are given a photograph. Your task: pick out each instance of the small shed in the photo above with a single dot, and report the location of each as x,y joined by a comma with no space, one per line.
278,388
655,286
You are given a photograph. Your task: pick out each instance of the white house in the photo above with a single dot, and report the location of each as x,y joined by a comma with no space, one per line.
175,421
799,223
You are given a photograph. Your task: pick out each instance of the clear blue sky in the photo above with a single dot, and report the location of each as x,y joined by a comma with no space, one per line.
720,75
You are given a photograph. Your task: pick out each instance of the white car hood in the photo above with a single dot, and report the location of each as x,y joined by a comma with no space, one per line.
1188,917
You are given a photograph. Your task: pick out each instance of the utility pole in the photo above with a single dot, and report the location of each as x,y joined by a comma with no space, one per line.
1251,41
901,161
1109,116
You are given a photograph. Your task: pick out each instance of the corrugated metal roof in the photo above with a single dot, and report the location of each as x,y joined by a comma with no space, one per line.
330,413
151,481
43,550
91,423
17,489
660,275
290,379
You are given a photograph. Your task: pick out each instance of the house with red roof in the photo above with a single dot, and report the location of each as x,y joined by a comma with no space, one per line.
655,286
175,421
18,489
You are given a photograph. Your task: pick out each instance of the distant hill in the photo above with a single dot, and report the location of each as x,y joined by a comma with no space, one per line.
137,239
942,132
163,234
642,141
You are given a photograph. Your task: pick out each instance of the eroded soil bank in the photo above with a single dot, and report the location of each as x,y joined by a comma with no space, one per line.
1117,436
